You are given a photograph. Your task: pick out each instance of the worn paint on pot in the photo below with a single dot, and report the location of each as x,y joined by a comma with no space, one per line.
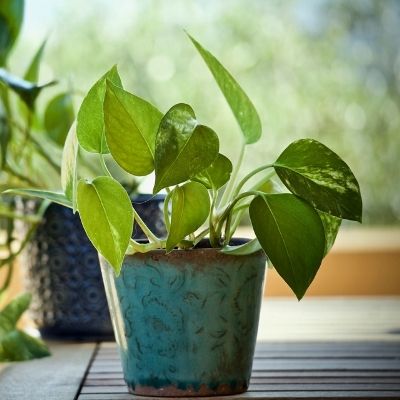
186,322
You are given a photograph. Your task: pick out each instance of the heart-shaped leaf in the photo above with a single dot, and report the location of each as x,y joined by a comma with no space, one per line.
217,174
190,208
183,148
12,312
107,217
315,173
90,120
58,117
32,73
241,106
11,16
69,166
27,91
331,227
291,233
131,125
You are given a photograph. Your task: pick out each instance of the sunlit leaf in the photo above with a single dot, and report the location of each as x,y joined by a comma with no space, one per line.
312,171
183,148
90,120
58,117
292,235
11,16
190,208
217,174
107,216
131,125
241,106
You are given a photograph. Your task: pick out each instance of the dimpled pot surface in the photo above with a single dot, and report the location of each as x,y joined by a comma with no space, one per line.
186,322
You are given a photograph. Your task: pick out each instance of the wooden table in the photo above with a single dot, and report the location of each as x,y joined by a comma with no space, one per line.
321,349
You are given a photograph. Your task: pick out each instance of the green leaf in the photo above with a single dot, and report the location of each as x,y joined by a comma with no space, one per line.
19,346
331,228
190,208
58,117
27,91
183,148
217,174
291,234
131,125
11,15
107,217
5,136
32,73
241,106
252,246
69,166
12,312
90,120
315,173
54,197
16,345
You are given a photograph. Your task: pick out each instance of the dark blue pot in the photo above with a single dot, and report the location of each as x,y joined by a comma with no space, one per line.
63,272
186,322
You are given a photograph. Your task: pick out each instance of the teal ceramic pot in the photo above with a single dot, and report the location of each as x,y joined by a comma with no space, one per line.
186,322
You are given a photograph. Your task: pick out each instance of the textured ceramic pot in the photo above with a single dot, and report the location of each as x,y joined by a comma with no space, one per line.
63,274
186,322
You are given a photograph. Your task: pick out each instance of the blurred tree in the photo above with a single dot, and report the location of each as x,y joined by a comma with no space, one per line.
327,69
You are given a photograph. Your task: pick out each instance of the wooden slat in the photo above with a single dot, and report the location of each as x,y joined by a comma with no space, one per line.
368,370
57,377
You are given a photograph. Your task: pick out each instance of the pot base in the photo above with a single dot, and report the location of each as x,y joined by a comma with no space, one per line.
173,391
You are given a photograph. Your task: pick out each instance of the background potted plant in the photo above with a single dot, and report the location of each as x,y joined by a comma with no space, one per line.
185,308
62,273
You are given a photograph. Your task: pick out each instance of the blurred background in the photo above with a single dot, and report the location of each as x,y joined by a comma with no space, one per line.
324,69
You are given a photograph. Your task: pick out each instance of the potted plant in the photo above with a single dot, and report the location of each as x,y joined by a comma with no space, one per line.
62,273
185,308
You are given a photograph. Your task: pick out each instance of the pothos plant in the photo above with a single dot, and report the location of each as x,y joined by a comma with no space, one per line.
205,197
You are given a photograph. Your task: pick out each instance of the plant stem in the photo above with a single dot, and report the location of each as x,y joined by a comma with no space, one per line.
201,235
250,175
104,166
150,235
166,211
226,196
135,247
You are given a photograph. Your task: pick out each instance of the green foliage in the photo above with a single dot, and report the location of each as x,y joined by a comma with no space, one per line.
242,108
68,166
216,174
314,172
295,230
90,121
27,91
190,208
32,73
107,216
58,118
131,126
291,233
16,345
183,147
11,15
